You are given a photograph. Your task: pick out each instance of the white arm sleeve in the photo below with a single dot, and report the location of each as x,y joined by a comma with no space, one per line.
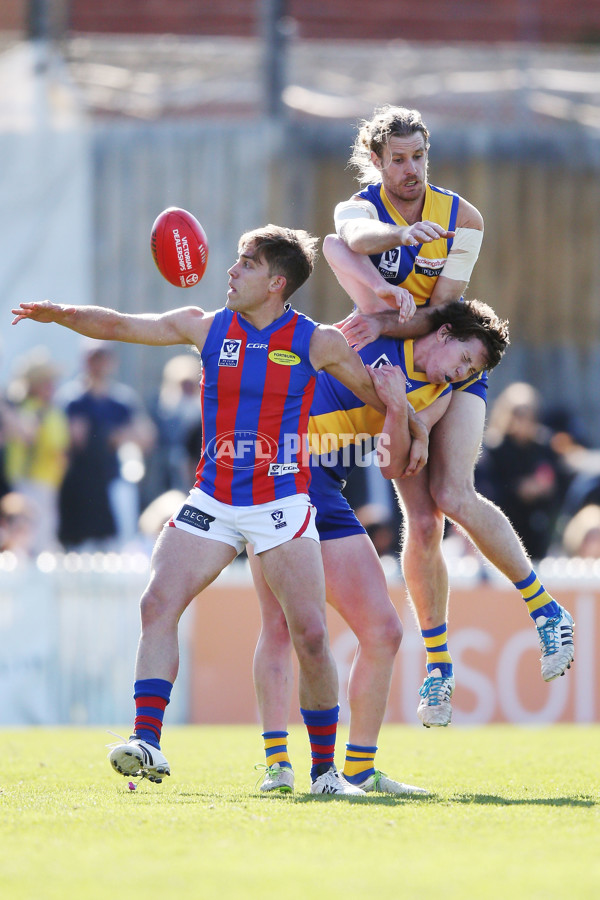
353,209
463,254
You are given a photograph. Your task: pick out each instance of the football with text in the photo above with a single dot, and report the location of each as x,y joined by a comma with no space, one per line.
179,247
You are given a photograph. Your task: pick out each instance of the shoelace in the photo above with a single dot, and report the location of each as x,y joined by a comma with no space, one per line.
437,690
121,740
270,771
549,637
377,776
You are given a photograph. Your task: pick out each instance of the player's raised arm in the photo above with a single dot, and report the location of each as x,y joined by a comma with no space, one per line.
187,325
330,351
366,234
362,281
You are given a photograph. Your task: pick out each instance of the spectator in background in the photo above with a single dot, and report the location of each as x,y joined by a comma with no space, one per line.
177,414
8,426
582,533
519,470
17,517
36,451
110,434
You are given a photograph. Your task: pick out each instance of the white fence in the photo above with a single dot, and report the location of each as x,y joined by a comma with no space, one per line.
68,638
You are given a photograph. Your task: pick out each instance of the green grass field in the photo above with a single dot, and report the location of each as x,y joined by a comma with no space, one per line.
514,813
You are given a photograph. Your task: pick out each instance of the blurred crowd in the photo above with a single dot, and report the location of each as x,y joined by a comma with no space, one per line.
85,465
536,463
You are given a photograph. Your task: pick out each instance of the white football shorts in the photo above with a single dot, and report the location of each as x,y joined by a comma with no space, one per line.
265,525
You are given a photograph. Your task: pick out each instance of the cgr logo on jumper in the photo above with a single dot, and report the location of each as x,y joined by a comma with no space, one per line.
283,469
278,517
242,450
230,352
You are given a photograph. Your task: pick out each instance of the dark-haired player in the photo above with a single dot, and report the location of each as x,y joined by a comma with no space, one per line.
465,339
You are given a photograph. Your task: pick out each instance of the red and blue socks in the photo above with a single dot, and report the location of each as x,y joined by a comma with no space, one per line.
321,725
359,763
536,597
436,647
276,748
151,697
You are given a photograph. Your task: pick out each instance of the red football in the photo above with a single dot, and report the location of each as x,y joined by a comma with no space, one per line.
179,247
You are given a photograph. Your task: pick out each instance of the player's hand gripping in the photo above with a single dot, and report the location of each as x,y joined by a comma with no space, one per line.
360,329
398,298
390,385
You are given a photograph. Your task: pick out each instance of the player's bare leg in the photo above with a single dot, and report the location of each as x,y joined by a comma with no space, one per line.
453,453
273,674
426,577
182,566
294,572
356,587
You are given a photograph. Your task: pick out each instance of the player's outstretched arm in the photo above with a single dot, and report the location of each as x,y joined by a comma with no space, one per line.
187,325
330,351
368,236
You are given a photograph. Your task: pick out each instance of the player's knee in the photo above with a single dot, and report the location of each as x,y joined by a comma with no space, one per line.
152,608
275,634
453,500
425,529
149,608
311,640
389,636
382,633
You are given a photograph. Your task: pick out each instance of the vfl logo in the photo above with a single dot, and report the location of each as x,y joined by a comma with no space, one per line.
384,361
381,361
195,517
230,353
242,450
390,263
278,518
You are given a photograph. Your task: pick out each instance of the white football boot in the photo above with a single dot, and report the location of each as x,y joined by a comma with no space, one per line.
279,779
138,757
382,784
331,782
556,642
436,691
